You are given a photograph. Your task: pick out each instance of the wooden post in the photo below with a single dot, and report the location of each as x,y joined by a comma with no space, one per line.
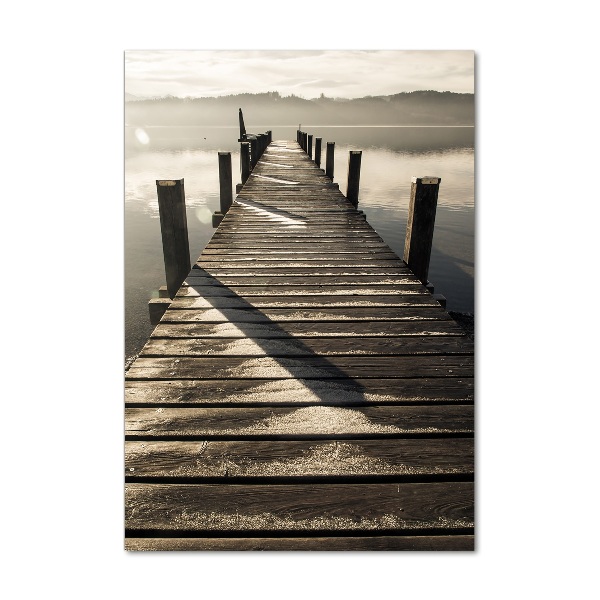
260,145
245,159
353,176
225,181
242,127
419,228
253,152
269,137
310,138
173,226
329,160
318,151
305,142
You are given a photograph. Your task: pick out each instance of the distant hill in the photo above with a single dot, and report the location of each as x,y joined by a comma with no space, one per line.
271,109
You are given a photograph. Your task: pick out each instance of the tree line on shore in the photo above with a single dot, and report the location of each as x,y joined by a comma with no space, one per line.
424,107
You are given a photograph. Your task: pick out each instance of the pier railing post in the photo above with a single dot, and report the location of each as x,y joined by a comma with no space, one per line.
173,226
353,176
419,228
309,143
261,144
318,151
253,152
225,181
245,160
305,142
329,160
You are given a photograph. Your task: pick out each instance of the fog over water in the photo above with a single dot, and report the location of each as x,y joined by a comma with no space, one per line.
391,157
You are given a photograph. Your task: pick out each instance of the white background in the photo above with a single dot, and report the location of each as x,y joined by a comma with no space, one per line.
537,299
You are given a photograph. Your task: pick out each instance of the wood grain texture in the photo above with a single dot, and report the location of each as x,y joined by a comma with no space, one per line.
298,392
277,459
332,544
311,421
390,507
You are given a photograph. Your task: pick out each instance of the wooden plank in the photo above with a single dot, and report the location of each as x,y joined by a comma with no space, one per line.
246,346
277,459
409,507
286,255
299,392
304,301
303,330
307,367
276,315
314,279
333,544
307,422
233,291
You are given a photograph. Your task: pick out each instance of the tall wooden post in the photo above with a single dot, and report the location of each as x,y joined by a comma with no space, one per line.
309,143
261,144
318,151
353,176
242,127
173,226
305,142
329,160
419,228
245,159
225,181
253,152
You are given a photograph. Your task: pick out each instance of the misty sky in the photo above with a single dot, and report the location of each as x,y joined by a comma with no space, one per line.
306,73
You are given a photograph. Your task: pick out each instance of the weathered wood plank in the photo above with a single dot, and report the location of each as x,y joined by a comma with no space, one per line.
307,367
276,459
304,301
291,255
299,392
409,507
275,315
302,330
247,346
216,290
309,421
313,279
332,544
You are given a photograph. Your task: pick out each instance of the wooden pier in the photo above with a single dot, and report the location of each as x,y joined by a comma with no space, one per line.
303,391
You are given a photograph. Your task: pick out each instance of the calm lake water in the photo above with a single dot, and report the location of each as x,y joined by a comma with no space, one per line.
391,157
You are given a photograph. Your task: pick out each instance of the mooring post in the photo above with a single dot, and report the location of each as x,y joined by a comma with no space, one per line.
245,160
419,228
225,181
318,151
329,160
173,227
353,176
261,144
310,138
269,137
305,142
253,152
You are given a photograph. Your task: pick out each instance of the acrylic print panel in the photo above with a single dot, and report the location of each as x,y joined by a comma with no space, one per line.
307,382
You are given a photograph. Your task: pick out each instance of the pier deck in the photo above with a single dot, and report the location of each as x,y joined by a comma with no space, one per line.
303,391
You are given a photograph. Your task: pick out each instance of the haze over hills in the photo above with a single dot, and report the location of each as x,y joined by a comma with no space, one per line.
407,108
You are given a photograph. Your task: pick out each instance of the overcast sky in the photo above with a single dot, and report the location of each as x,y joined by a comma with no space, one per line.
306,73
